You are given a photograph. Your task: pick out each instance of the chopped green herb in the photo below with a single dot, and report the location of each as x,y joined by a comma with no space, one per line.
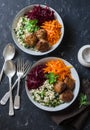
31,25
51,77
42,95
83,99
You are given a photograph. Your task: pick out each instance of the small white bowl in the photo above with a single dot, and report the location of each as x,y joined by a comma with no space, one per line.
75,92
84,55
29,51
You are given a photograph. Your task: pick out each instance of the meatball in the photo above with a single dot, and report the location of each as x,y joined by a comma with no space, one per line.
31,40
70,83
41,34
59,87
42,45
66,96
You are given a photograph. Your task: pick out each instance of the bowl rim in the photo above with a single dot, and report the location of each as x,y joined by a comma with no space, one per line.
61,106
26,50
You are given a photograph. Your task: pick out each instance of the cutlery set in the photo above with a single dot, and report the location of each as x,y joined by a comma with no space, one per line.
9,68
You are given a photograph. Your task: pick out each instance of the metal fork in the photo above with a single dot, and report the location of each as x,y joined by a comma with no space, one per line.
20,71
5,98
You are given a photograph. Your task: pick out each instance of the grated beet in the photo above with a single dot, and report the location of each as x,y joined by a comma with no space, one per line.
36,77
41,14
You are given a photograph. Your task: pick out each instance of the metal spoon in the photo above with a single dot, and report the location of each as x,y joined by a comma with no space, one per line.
8,54
10,69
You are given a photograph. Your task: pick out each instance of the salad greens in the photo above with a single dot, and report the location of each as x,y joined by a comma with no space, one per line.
30,25
51,77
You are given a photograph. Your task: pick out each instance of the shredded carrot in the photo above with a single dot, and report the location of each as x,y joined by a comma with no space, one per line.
53,29
59,68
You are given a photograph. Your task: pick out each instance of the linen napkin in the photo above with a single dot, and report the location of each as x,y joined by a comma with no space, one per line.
75,115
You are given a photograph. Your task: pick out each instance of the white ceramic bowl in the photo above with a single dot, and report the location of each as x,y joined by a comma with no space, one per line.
84,55
29,51
75,92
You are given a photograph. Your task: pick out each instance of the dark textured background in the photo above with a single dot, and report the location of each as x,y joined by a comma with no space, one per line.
76,18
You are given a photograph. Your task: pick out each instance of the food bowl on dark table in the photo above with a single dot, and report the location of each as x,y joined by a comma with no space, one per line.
52,84
37,29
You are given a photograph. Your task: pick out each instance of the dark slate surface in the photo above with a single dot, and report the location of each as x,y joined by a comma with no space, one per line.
76,18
